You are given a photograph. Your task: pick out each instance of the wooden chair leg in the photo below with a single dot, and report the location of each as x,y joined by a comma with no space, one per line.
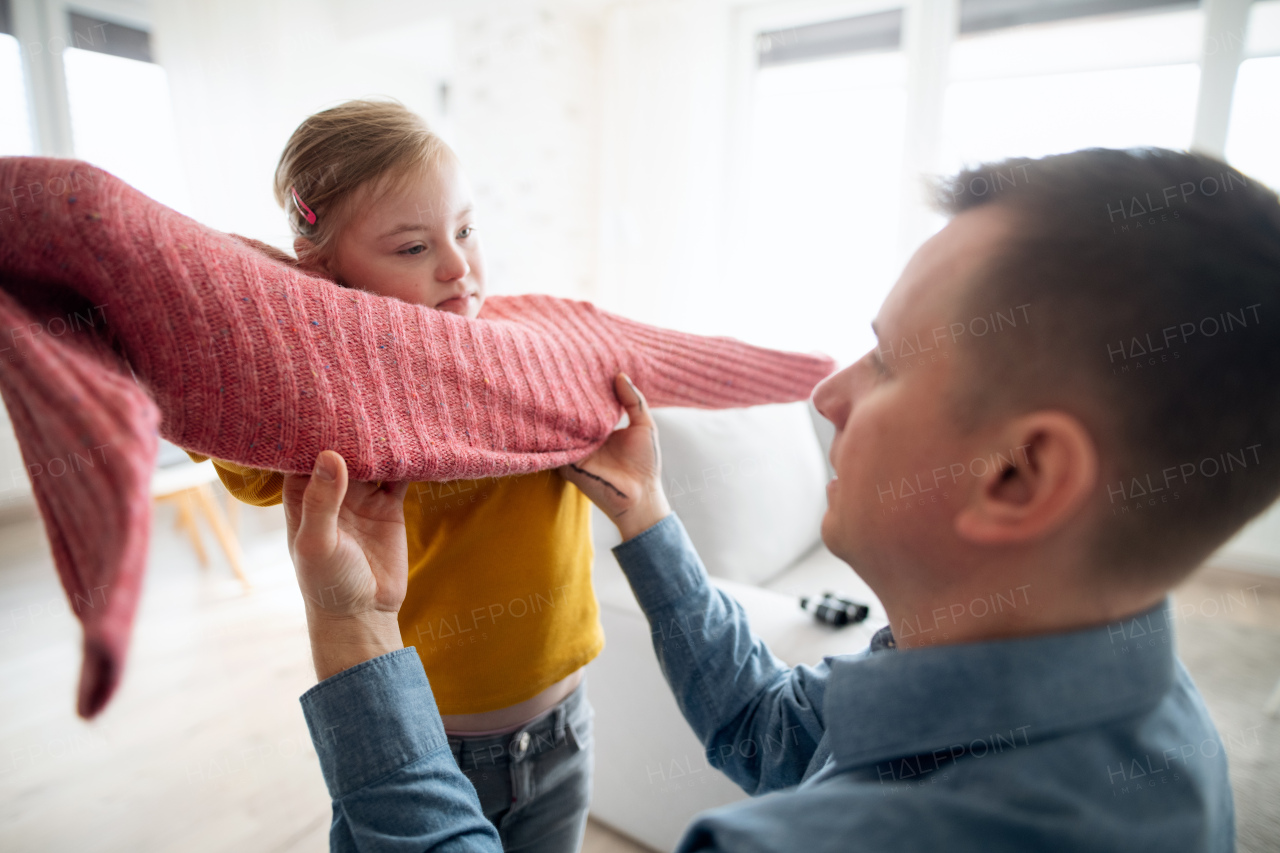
187,521
233,514
222,530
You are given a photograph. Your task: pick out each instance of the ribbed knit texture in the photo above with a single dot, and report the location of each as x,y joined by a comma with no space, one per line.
244,358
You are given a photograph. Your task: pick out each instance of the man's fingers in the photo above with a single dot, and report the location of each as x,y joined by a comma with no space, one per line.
294,485
398,491
318,525
568,473
633,401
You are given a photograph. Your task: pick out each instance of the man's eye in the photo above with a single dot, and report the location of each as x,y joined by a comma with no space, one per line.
414,250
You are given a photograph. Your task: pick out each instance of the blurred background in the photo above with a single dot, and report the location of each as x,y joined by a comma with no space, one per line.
755,169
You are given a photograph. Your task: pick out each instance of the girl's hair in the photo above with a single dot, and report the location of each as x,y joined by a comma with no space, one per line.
337,151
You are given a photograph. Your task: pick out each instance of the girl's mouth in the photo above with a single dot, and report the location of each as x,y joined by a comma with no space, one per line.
457,304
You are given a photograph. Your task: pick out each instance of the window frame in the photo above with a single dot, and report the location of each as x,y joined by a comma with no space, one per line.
929,29
43,31
925,43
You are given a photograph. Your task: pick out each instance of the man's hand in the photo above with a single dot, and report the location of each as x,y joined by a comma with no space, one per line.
623,477
351,557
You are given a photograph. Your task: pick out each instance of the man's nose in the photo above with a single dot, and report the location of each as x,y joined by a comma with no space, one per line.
832,397
452,264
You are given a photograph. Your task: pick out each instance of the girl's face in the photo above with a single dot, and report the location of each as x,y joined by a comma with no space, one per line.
418,243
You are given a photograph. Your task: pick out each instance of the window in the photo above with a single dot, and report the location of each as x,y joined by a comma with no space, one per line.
121,114
820,237
1253,140
1044,88
15,130
827,189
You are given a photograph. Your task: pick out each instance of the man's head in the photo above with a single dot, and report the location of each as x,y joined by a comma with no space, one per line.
1081,371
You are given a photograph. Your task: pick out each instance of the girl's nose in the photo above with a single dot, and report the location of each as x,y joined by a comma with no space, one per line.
452,264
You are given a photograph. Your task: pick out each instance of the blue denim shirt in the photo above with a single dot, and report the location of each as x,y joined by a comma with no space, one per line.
1090,740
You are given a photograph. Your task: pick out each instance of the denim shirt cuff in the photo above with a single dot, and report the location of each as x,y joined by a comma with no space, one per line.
372,719
661,564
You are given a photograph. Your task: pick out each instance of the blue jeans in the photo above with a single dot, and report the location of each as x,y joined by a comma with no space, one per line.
535,783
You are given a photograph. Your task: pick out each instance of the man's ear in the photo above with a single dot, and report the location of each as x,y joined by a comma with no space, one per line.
1052,473
311,259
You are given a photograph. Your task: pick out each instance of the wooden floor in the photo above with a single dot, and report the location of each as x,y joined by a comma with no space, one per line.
205,747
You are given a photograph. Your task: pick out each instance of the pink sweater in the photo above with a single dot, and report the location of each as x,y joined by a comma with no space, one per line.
123,319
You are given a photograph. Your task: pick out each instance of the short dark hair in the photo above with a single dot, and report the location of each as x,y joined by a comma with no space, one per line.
1152,284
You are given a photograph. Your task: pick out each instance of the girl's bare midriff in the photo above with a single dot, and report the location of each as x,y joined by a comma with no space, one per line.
513,715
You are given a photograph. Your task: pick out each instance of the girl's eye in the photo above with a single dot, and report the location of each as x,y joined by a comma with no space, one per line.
466,232
414,250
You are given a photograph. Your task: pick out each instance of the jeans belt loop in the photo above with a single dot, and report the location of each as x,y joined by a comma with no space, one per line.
519,744
562,719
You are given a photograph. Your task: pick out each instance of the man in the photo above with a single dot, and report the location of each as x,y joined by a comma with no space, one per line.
1109,422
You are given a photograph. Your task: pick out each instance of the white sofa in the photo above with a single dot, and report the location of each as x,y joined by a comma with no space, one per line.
749,485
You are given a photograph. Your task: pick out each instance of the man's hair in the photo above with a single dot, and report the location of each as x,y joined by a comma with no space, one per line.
1151,285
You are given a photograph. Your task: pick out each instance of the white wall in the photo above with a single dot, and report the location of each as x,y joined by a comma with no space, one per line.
525,119
521,110
1257,547
663,148
243,75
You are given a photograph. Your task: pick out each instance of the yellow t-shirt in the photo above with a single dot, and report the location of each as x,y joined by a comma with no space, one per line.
500,604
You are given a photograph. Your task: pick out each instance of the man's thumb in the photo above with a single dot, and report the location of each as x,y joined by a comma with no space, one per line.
318,528
327,465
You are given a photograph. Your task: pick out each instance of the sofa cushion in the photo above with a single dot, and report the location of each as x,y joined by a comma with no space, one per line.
821,571
826,432
793,635
748,484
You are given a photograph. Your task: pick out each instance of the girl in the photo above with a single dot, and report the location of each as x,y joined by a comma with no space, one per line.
500,605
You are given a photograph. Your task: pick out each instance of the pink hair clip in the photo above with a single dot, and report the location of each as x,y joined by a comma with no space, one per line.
306,211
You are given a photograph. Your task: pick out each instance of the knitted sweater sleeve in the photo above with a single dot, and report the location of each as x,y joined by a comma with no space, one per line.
671,368
679,369
128,320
